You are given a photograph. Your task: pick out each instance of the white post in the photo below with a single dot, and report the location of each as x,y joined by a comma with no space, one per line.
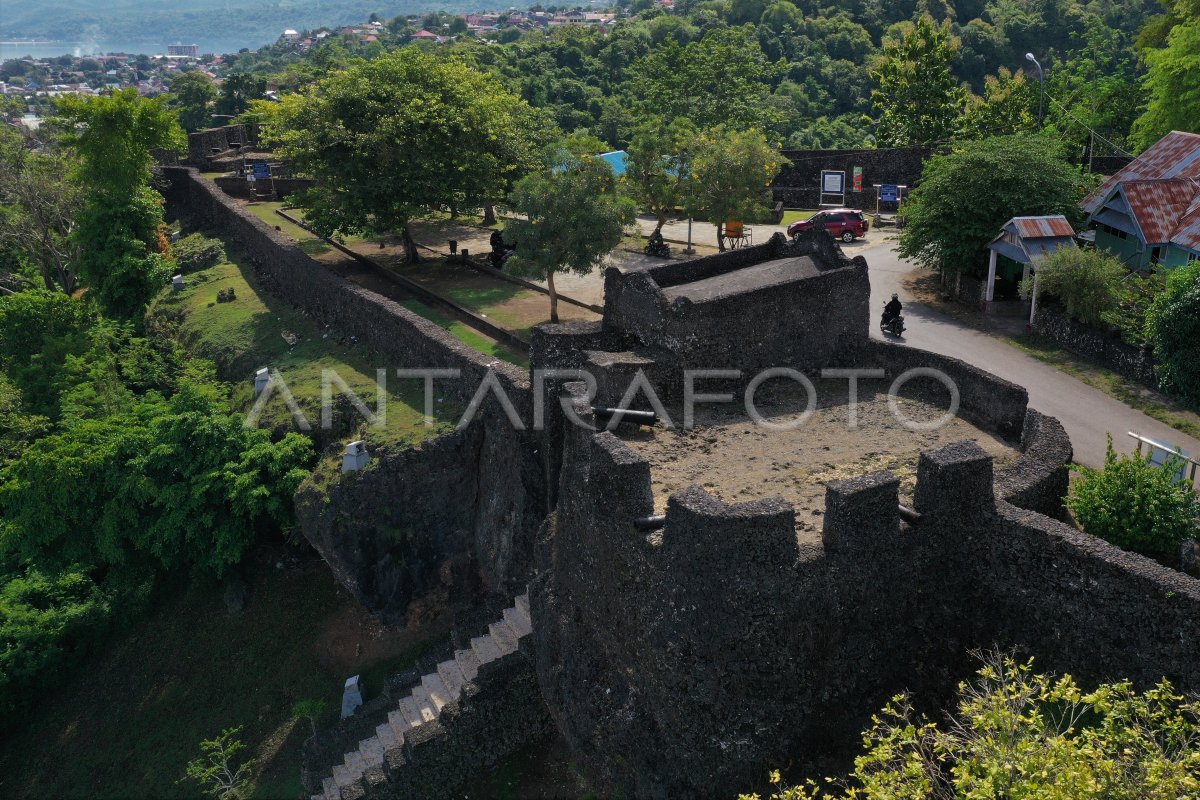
689,251
990,288
1033,302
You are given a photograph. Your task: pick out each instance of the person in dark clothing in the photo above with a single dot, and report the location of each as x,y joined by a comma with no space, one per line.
893,308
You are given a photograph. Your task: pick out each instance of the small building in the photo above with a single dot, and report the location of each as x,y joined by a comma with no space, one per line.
1022,243
290,35
425,36
1149,212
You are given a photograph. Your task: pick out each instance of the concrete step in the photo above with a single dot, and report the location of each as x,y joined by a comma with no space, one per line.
436,690
519,622
408,707
371,750
387,736
485,648
398,723
452,677
332,792
468,663
522,604
425,704
504,637
356,763
342,776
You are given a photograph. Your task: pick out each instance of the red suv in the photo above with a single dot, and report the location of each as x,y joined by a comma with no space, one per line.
846,224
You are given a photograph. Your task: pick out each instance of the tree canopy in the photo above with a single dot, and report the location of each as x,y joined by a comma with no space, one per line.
401,137
731,171
919,100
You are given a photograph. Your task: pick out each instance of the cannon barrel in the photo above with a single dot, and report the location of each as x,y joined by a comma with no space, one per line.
909,515
650,523
626,415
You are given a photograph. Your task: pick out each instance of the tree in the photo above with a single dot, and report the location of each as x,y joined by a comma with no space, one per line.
38,206
574,216
217,770
659,166
123,251
1172,81
191,94
1173,327
1135,504
1017,733
918,100
237,92
1088,282
401,137
966,196
725,78
311,710
1008,106
731,171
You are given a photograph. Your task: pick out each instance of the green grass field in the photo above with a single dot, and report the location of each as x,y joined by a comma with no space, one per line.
308,242
249,333
795,216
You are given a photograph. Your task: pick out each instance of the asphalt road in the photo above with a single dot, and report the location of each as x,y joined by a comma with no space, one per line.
1086,413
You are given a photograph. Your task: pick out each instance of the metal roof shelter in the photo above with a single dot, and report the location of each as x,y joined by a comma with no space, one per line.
1027,240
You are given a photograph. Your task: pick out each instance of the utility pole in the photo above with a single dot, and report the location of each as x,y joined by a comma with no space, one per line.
1041,86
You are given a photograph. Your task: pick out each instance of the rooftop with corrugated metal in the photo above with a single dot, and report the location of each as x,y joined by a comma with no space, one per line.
1043,227
1176,155
1159,205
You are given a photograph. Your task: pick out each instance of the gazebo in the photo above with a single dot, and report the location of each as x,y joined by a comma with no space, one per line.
1027,240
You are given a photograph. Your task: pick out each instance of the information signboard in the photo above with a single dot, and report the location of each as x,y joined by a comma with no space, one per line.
889,193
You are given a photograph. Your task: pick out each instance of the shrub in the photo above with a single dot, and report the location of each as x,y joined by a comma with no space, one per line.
1136,505
1138,293
1088,282
1173,327
196,252
1022,735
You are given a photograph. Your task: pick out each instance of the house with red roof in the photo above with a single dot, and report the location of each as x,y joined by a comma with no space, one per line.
425,36
1149,212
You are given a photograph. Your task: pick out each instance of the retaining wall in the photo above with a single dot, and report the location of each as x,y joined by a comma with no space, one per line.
798,183
1102,346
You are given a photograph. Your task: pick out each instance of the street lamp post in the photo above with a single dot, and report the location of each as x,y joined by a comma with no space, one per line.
1041,86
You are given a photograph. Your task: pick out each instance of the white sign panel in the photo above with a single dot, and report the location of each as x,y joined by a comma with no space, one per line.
833,182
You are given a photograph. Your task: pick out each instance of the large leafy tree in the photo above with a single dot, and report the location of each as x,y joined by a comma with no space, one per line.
1008,106
192,93
573,215
725,78
731,171
659,166
1173,325
38,206
123,253
918,101
238,90
966,195
1019,734
401,137
1173,80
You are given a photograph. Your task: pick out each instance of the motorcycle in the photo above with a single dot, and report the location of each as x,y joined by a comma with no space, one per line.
892,325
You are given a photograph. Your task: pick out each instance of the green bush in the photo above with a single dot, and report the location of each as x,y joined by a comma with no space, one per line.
196,252
1136,505
1088,282
1173,327
1138,293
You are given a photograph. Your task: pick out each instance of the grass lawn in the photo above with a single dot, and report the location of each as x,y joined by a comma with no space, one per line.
795,216
468,335
249,333
308,242
126,724
1132,394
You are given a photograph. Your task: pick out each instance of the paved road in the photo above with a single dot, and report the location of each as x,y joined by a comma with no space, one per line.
1086,413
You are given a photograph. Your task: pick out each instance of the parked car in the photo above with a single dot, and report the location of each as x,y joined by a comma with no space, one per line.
846,224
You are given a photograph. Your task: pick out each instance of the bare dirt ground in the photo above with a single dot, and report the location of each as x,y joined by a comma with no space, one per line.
737,460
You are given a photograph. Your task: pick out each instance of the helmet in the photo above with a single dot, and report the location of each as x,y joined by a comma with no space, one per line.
895,296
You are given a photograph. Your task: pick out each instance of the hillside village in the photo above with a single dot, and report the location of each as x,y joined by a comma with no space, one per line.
671,400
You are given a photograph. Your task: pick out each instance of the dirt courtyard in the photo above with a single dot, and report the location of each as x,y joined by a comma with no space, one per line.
737,459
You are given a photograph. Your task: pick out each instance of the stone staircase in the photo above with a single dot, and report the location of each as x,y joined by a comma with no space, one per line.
424,704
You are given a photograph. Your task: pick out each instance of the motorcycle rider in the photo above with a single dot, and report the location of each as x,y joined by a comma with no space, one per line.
892,309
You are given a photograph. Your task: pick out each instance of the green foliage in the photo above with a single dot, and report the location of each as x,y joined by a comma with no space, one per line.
574,216
659,166
1136,505
1022,735
412,133
1088,282
197,251
123,253
191,94
1138,293
1008,106
730,174
238,91
1172,83
311,710
967,195
218,772
1173,327
918,100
